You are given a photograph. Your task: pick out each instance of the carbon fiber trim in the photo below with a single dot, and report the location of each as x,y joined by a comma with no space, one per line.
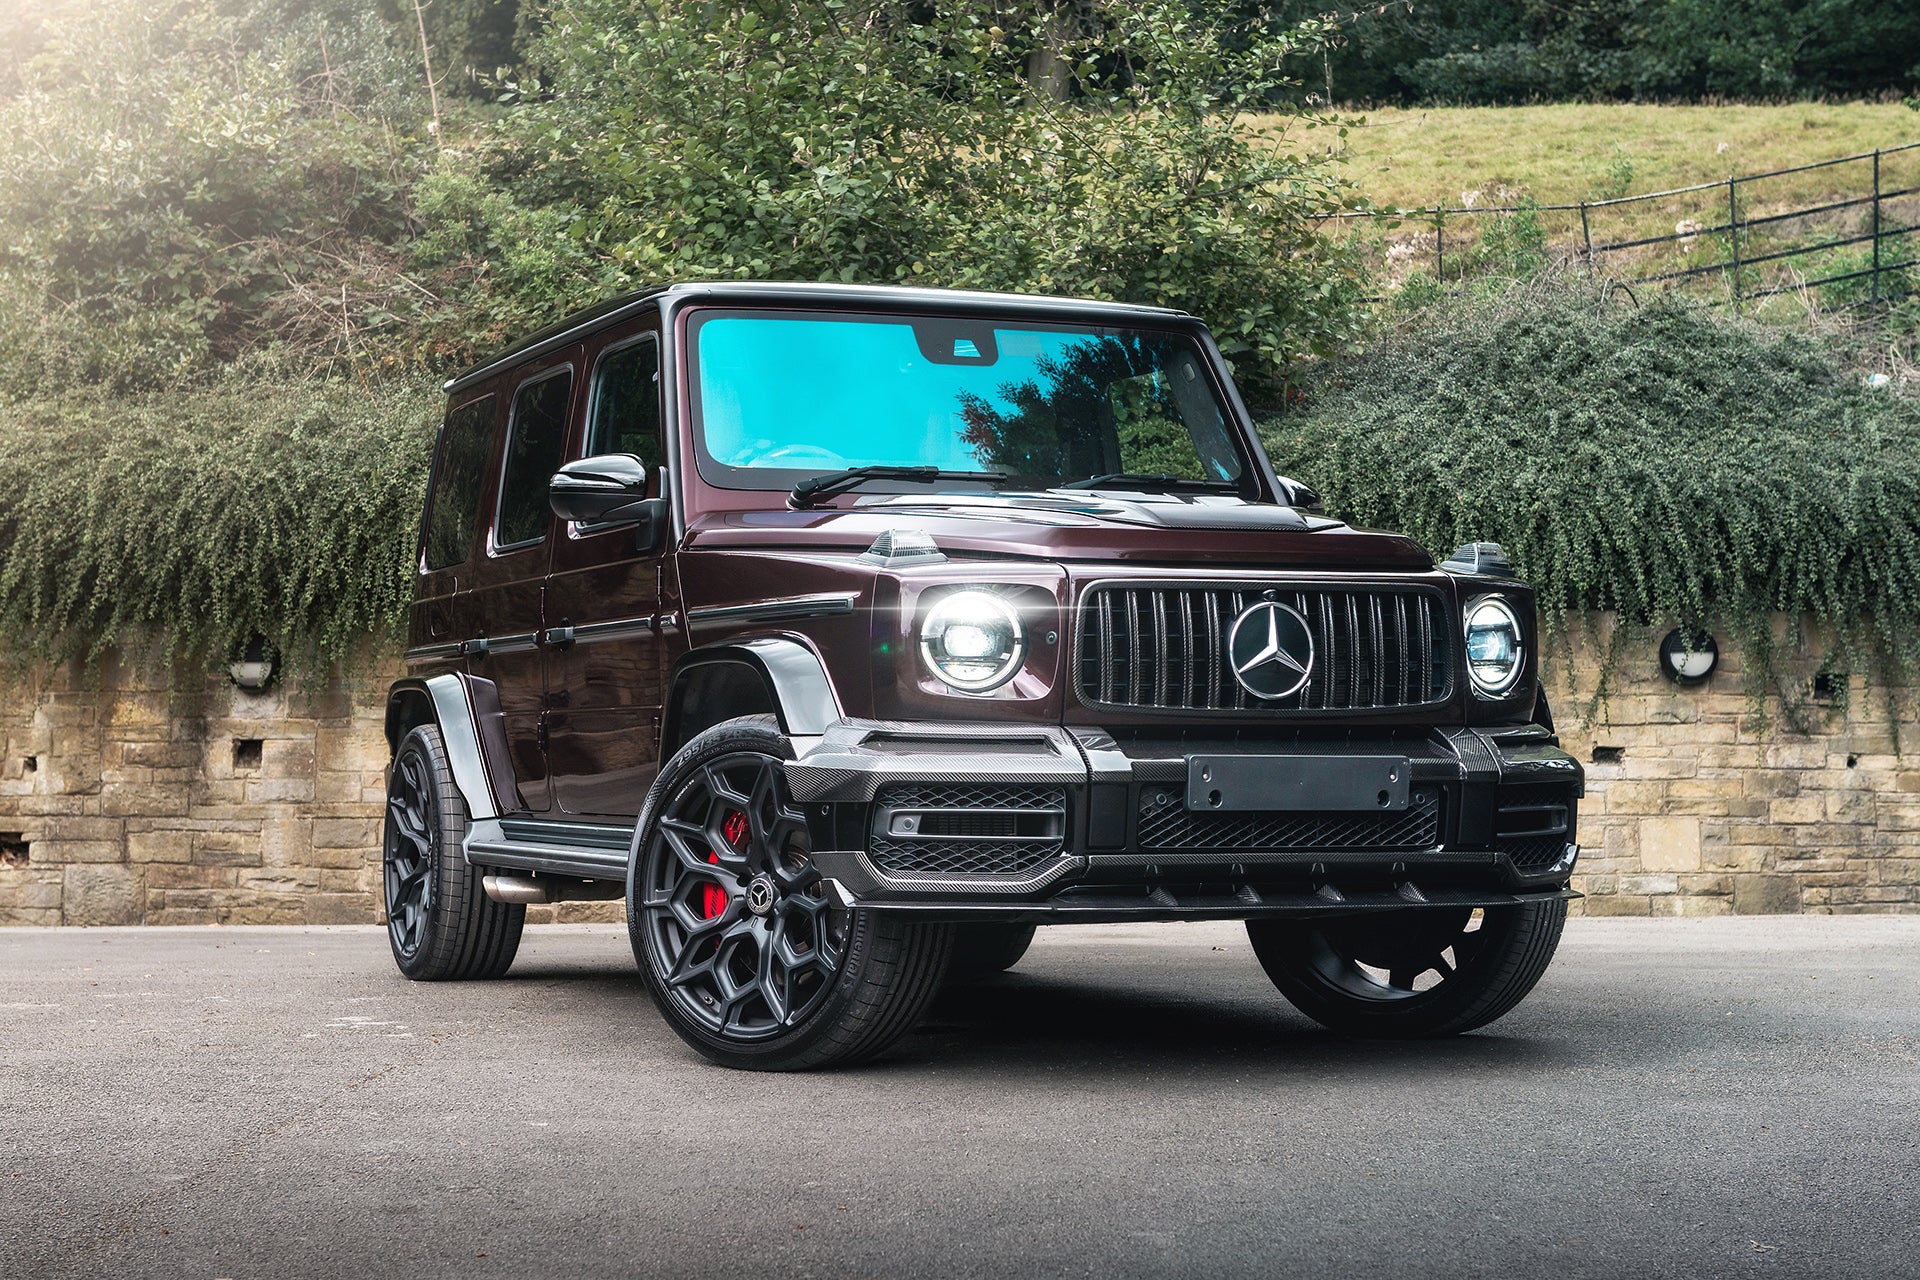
986,886
853,761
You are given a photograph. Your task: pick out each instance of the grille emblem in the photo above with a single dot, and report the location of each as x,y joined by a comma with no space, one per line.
1271,650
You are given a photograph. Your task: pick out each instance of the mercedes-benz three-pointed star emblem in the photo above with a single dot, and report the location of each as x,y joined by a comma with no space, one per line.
1270,648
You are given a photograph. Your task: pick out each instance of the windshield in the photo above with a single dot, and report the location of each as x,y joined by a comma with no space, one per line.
782,396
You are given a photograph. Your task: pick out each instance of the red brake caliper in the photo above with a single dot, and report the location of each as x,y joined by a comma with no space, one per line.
713,899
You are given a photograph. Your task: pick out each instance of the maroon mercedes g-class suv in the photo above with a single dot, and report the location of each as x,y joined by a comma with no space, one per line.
850,633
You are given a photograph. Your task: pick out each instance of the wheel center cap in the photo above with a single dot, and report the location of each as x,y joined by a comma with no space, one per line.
760,895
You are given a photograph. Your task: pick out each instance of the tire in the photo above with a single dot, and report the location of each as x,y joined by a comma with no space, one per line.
750,960
440,922
1368,975
982,950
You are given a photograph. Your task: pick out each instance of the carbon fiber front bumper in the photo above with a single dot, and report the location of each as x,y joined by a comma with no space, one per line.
1501,826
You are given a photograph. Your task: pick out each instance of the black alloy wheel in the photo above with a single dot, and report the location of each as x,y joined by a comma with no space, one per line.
750,941
411,837
1432,971
749,956
440,922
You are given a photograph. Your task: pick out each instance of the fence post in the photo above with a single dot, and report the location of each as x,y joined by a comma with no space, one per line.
1733,234
1876,224
1586,236
1440,247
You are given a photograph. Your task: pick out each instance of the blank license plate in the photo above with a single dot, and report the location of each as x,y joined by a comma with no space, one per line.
1376,783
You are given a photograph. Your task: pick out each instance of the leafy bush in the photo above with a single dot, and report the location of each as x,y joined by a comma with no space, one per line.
857,142
1670,462
286,508
181,184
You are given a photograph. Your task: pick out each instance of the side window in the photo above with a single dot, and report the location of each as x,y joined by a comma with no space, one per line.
626,404
535,439
457,476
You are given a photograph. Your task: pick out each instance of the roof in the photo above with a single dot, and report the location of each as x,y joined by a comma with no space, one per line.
583,323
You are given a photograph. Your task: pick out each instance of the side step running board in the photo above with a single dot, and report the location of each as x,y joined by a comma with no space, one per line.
585,851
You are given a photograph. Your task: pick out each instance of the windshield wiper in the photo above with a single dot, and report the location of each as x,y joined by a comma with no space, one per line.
1145,482
820,488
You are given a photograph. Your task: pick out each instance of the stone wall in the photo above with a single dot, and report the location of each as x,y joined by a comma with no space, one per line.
125,801
1693,809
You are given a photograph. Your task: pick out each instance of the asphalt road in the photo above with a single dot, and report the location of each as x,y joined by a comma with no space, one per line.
1678,1098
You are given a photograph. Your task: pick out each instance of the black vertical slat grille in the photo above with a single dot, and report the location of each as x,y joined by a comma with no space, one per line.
1165,648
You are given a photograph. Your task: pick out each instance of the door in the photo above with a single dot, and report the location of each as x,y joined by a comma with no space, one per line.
603,604
503,610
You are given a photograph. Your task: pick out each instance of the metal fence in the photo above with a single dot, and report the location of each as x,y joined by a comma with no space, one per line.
1755,256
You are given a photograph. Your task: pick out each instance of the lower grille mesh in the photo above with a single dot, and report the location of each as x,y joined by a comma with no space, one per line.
958,806
1165,823
1534,823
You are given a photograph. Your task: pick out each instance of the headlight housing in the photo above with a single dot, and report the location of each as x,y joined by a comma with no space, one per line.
1496,651
973,641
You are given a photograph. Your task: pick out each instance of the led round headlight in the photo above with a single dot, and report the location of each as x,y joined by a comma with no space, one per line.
1494,652
973,641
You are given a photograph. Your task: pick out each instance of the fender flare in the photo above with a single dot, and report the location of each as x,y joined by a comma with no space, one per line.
466,708
795,679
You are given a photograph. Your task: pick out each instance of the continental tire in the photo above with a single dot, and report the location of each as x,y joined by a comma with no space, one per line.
1411,974
440,922
749,958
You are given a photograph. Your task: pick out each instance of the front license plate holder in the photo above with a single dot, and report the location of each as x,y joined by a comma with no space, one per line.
1345,783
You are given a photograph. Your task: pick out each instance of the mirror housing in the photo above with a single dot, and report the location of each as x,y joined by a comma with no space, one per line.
608,489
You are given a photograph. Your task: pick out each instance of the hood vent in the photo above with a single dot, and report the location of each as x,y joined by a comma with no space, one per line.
903,547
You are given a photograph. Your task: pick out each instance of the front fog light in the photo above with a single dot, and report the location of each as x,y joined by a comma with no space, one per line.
973,641
1494,653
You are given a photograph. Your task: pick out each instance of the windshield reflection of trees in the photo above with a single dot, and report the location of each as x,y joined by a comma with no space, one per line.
1100,406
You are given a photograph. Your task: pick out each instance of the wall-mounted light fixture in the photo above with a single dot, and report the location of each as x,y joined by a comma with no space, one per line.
254,668
1688,658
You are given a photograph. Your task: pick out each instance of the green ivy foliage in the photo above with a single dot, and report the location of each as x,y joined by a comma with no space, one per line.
1668,461
282,507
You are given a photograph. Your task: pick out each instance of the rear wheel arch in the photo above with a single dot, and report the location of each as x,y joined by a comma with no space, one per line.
408,707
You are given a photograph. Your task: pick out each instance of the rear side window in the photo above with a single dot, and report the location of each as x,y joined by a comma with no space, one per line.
457,475
535,440
626,404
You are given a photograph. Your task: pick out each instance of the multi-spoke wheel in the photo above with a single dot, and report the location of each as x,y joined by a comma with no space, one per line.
749,957
1426,972
440,922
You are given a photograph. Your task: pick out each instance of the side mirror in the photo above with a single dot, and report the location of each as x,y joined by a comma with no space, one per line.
609,489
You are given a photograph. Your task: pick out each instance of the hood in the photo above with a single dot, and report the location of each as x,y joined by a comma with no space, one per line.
1167,529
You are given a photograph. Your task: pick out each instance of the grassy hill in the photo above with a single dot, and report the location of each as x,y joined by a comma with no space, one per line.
1566,153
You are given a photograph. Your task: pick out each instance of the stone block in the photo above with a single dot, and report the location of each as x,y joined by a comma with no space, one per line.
159,846
1618,905
62,852
287,758
346,833
341,908
227,848
1670,844
1760,895
100,895
279,790
1799,808
1649,884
